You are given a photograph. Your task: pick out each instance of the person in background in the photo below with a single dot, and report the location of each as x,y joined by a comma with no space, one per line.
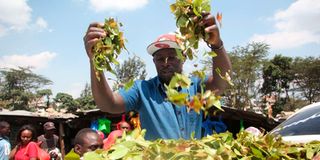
26,148
134,120
161,118
87,140
122,126
49,141
5,146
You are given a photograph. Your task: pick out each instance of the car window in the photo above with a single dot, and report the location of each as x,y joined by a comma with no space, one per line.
303,123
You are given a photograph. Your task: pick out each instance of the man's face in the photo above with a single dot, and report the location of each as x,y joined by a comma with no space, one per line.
167,63
92,142
5,131
49,132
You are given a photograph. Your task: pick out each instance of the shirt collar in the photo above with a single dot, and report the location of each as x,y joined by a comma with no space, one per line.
4,137
161,85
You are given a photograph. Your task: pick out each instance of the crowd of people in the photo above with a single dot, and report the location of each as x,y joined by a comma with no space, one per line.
28,145
46,146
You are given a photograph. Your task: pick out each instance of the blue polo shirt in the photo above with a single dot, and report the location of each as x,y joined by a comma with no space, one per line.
158,116
5,148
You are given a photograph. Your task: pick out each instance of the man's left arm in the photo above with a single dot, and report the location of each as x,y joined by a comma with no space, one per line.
221,61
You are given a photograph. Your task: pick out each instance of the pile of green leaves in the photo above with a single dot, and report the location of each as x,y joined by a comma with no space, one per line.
217,146
107,49
188,13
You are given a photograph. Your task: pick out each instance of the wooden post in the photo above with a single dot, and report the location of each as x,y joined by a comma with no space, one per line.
61,136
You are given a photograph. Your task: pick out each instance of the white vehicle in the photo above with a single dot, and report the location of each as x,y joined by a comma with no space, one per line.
302,127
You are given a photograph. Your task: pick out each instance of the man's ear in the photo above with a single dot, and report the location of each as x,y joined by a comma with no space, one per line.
77,149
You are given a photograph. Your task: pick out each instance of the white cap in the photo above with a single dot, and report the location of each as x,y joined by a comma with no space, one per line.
168,40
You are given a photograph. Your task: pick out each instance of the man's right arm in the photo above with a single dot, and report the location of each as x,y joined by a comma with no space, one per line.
105,98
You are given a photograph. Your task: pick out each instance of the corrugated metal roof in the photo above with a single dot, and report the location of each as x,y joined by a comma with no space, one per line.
44,114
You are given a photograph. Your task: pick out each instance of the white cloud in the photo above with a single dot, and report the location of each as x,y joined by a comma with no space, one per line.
119,5
41,23
296,26
2,30
37,61
14,14
284,40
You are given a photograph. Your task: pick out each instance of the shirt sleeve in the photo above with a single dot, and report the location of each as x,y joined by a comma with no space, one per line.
32,150
131,97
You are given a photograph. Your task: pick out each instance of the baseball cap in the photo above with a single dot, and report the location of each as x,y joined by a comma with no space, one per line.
168,40
49,126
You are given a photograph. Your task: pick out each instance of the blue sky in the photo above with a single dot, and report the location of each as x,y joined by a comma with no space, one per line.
48,34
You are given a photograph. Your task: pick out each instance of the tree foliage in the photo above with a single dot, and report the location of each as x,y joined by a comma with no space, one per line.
246,71
254,76
44,93
277,77
86,100
66,101
18,88
306,77
131,69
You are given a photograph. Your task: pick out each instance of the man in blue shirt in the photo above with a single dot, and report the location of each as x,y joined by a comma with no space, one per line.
5,146
159,117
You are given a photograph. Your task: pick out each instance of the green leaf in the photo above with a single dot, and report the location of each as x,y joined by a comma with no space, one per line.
200,74
182,21
180,55
128,85
310,153
237,152
118,152
211,54
176,97
179,80
256,152
93,155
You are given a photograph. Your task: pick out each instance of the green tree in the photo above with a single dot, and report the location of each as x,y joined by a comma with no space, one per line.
246,63
277,77
66,101
44,93
131,69
86,100
19,86
246,71
306,77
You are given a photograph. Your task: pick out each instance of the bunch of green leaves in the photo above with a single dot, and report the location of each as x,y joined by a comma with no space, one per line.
108,48
217,146
188,13
201,101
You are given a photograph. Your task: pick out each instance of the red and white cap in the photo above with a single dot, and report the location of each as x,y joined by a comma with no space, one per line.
168,40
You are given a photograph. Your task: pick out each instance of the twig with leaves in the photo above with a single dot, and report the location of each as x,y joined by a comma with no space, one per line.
107,49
